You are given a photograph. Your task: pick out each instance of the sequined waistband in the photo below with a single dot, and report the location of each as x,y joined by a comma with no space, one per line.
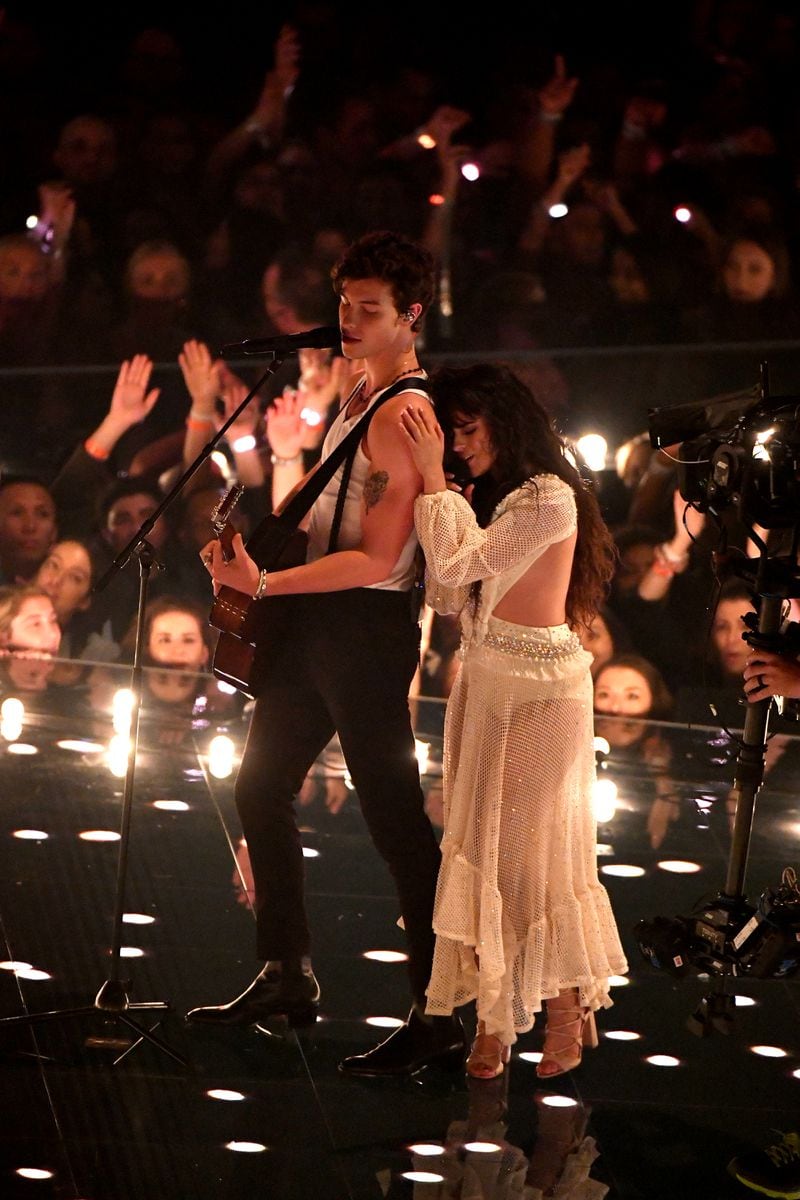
540,644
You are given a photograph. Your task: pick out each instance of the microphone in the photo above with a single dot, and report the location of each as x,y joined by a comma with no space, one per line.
326,337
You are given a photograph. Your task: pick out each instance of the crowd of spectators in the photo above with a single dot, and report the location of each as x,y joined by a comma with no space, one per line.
572,198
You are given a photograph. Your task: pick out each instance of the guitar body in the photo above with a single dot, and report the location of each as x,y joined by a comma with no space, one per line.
246,625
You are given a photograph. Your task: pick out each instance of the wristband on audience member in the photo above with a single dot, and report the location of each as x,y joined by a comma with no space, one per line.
261,590
277,461
197,422
660,566
95,450
674,561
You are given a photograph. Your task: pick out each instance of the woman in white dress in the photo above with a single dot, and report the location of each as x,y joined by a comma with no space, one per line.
524,557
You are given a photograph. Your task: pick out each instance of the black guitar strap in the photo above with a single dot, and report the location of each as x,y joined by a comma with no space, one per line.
299,505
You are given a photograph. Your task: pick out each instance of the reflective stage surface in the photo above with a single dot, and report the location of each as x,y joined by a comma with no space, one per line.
657,1111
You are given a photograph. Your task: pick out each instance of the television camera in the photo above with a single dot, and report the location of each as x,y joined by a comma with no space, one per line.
742,452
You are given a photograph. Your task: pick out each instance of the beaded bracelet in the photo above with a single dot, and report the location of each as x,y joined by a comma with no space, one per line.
262,585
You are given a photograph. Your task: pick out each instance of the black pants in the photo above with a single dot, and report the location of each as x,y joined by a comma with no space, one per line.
344,665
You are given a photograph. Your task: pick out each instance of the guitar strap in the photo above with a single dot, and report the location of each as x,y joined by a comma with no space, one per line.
299,505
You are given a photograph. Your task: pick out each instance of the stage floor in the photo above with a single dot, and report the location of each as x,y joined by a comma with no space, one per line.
656,1112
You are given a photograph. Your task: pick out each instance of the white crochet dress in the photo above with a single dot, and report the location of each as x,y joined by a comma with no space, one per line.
518,882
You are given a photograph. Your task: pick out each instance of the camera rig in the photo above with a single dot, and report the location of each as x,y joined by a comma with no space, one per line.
743,451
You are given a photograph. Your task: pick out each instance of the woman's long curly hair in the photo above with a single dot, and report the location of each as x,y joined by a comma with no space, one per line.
527,444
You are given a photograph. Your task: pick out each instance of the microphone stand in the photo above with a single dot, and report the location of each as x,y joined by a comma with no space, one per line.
112,999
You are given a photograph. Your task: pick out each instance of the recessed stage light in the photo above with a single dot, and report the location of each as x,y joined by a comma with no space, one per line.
31,835
224,1094
34,1173
532,1056
131,952
99,835
33,974
12,964
556,1101
679,866
482,1147
622,1035
385,1022
80,747
245,1147
422,1177
623,870
744,1001
768,1051
21,748
387,956
137,919
310,852
663,1060
618,981
426,1149
171,805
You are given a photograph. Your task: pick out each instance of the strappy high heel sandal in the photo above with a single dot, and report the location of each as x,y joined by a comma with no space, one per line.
576,1028
488,1056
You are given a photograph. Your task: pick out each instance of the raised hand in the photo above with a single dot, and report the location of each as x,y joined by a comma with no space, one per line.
285,426
131,401
572,163
557,94
201,374
232,391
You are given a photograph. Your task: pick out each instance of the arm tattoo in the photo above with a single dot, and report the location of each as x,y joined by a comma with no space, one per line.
374,487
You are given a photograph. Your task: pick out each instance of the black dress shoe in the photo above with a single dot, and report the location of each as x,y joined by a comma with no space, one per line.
439,1042
281,989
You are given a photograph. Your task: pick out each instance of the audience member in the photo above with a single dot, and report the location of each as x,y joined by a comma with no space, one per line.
28,526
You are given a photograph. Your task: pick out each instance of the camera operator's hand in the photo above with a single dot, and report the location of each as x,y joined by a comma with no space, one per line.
767,674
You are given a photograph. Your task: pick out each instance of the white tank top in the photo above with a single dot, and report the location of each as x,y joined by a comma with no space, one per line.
401,577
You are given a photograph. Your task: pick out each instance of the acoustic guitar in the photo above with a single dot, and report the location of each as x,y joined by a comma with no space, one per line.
246,625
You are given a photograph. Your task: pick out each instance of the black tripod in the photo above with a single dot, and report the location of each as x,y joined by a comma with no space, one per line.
112,999
725,923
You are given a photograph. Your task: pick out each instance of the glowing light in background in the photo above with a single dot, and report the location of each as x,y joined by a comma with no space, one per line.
117,754
601,746
243,444
557,211
482,1147
137,919
12,718
310,852
424,139
604,800
682,214
34,1173
224,1094
426,1149
221,752
422,1177
471,171
422,751
15,965
121,709
593,448
618,980
622,1035
34,974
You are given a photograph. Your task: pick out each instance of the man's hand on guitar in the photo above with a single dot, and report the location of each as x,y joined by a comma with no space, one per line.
240,572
